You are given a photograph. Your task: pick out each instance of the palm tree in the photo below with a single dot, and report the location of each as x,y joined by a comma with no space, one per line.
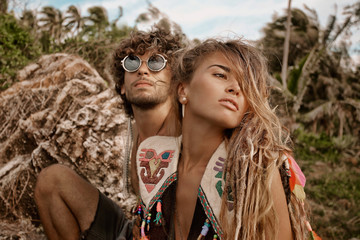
97,22
29,21
73,21
52,22
304,35
161,20
353,14
322,93
152,13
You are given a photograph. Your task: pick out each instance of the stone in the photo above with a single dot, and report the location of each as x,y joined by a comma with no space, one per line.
59,111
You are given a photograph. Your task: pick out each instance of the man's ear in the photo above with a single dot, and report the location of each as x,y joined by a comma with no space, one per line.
122,90
182,92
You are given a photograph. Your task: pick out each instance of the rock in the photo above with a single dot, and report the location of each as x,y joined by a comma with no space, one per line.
60,111
21,229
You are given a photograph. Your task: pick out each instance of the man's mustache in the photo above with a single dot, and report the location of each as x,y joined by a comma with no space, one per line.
146,80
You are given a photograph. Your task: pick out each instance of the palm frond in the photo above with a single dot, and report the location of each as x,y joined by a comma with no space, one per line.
318,112
329,28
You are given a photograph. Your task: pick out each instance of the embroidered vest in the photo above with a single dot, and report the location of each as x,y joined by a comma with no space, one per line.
157,160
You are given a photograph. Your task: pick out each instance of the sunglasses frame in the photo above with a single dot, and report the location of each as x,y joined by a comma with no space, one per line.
141,61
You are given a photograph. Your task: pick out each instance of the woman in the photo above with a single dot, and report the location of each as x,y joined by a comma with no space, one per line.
230,175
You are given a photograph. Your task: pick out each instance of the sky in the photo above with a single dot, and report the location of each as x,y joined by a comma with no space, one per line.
208,18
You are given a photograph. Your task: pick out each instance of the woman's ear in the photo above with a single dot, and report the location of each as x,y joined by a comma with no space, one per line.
182,93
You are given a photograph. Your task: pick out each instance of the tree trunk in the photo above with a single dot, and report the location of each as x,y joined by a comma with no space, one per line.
286,46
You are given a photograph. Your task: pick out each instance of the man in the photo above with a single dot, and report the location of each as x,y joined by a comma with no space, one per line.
69,206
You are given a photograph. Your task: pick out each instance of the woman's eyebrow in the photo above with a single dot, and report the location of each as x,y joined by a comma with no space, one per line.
226,69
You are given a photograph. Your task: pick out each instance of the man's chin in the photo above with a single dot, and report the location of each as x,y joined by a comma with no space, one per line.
146,103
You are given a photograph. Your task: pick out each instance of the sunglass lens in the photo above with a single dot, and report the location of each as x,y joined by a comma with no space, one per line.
156,63
132,63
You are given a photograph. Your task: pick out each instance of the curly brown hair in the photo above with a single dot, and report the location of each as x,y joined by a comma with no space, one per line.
157,40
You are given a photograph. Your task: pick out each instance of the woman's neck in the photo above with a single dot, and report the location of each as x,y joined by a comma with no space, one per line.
199,142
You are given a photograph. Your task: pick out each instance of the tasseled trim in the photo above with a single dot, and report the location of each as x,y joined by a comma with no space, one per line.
148,220
143,236
313,235
205,230
158,214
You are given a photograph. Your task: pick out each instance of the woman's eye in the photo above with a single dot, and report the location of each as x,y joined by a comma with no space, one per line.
220,75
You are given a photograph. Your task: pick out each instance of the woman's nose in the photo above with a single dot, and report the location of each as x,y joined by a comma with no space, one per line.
233,88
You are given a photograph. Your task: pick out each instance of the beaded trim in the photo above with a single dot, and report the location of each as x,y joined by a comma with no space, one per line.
209,212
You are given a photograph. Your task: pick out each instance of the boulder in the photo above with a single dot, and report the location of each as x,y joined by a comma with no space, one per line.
59,111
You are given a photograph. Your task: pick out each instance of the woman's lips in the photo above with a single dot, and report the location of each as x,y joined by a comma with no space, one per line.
229,103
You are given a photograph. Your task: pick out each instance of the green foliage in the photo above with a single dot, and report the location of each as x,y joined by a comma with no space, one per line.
333,183
294,76
96,51
315,147
338,192
16,49
116,33
337,185
322,96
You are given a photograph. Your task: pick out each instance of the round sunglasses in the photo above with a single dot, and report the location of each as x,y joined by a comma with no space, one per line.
155,63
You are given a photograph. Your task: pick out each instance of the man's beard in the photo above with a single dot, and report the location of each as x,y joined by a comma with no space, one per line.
148,102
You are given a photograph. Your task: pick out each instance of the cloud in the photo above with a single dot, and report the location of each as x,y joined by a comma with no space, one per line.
211,18
196,12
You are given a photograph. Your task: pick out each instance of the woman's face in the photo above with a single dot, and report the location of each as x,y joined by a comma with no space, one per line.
214,94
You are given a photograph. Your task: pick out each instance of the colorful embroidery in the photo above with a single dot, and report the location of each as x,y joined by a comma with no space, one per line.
219,164
219,184
209,212
219,168
152,165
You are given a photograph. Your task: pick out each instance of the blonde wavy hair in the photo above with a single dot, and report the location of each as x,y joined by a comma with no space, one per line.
255,148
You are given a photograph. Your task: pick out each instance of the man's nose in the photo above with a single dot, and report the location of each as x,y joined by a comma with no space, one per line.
143,70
